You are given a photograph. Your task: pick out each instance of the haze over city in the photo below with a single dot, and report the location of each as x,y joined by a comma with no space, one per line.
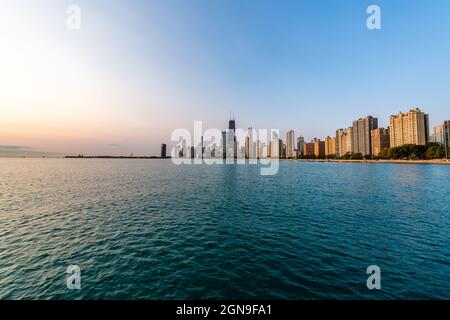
138,70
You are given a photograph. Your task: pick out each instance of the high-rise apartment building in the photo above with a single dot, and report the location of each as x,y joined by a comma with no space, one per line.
259,149
438,134
361,137
276,148
441,134
446,139
349,140
343,141
308,148
319,147
290,144
250,145
380,140
409,128
330,146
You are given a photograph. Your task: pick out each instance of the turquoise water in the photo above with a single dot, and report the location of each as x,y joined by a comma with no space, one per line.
147,229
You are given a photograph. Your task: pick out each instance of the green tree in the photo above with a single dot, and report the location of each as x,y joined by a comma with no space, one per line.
356,156
346,156
431,153
440,153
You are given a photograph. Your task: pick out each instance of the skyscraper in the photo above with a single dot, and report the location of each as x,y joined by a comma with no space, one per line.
438,134
330,146
446,137
340,142
300,146
259,149
276,148
265,151
380,140
269,149
184,152
224,144
250,145
247,147
232,124
361,138
231,140
441,134
202,148
308,149
343,141
409,128
319,147
163,150
290,144
349,141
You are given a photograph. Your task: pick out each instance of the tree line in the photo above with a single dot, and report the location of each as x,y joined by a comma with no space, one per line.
430,151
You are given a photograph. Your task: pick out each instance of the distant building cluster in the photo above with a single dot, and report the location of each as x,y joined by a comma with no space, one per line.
363,137
441,133
366,138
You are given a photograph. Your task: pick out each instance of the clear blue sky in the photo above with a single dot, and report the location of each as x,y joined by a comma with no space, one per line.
312,66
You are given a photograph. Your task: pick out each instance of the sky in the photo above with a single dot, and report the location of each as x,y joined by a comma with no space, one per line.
139,69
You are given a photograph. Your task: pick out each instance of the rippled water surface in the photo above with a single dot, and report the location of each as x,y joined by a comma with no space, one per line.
147,229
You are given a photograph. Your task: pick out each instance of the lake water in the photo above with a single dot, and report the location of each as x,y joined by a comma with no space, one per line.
147,229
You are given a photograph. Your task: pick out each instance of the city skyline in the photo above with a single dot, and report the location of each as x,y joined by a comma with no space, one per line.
364,139
439,133
128,78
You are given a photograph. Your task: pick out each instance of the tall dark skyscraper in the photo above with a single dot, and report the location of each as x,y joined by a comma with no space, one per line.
231,139
163,150
232,125
202,149
224,144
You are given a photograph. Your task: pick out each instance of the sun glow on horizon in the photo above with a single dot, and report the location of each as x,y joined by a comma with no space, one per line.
54,95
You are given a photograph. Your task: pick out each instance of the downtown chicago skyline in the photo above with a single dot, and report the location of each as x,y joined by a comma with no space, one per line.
364,138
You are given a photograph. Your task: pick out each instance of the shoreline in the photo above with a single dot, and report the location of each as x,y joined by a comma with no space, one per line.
381,161
442,162
115,157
